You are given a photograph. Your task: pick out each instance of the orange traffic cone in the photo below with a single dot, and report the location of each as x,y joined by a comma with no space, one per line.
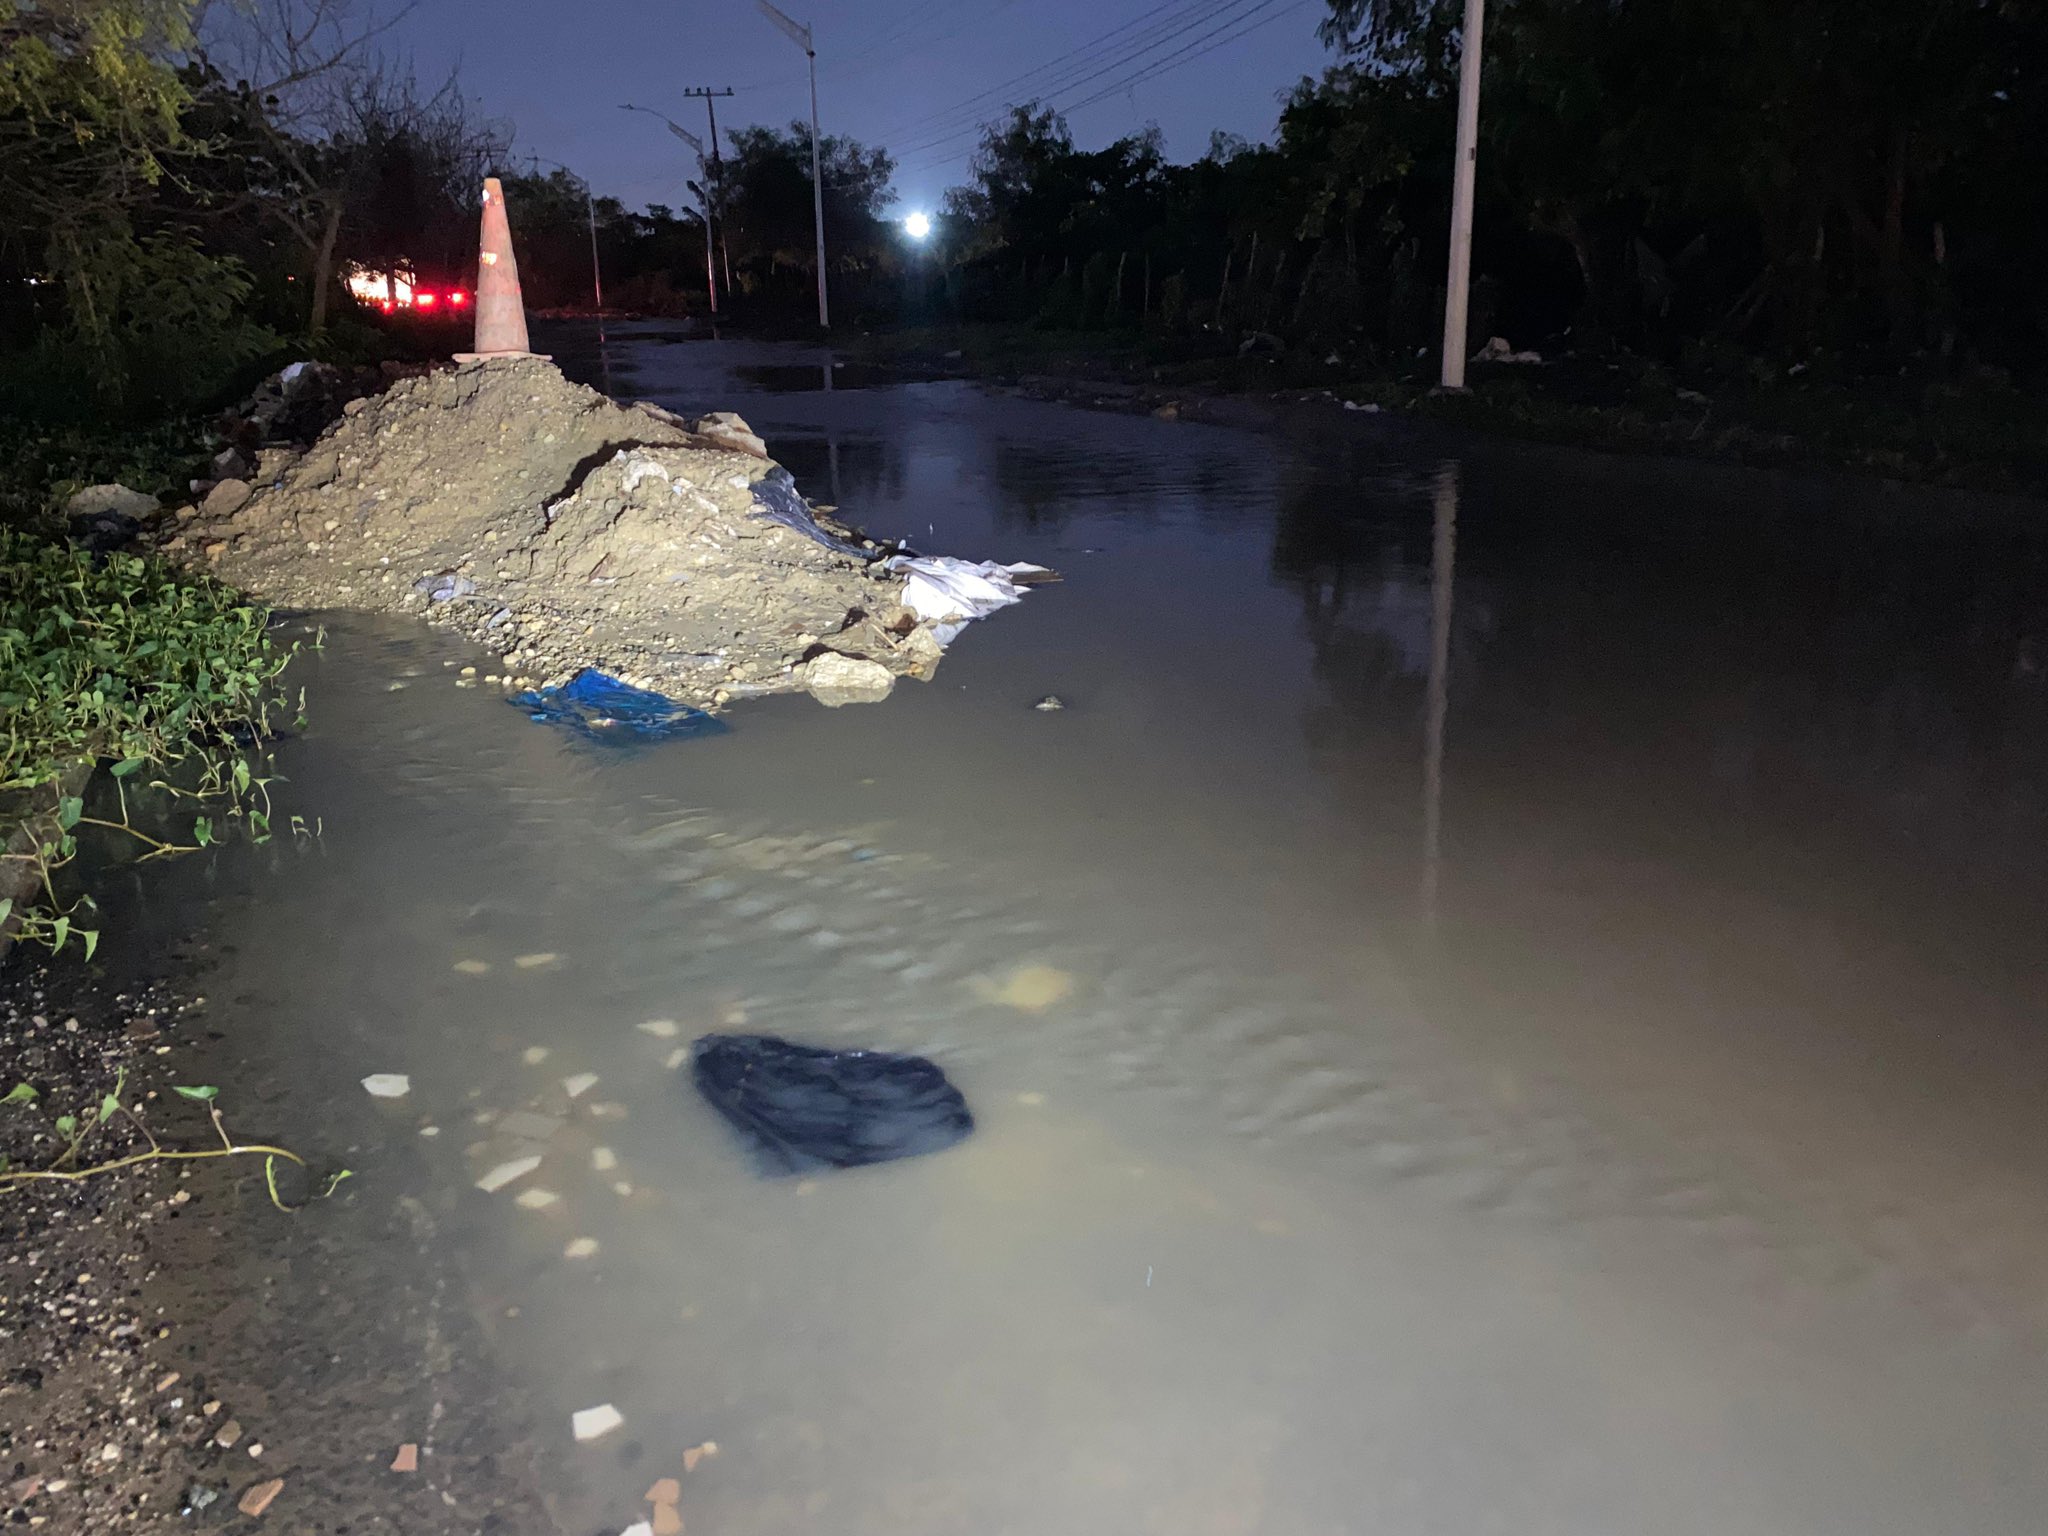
500,312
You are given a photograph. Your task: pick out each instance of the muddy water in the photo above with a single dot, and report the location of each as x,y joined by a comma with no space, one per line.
1509,1000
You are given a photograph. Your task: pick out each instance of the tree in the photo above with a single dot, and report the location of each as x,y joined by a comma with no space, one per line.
766,198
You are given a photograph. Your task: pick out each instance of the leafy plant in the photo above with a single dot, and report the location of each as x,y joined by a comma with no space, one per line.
129,661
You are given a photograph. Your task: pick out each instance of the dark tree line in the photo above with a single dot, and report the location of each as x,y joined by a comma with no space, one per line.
1775,177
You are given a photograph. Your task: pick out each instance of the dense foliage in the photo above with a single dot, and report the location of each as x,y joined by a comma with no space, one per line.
179,199
128,661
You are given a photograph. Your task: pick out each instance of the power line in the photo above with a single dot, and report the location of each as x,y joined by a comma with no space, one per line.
1167,65
1233,12
1055,66
1236,26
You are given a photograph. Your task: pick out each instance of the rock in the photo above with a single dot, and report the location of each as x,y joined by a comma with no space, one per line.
834,680
1168,412
923,650
227,498
259,1498
505,1173
729,430
591,1423
100,500
229,1433
407,1459
387,1085
666,1522
1051,701
231,464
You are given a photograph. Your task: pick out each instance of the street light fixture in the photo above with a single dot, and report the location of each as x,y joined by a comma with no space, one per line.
801,36
703,191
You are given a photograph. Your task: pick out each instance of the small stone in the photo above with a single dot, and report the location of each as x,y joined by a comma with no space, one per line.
255,1448
697,1453
1050,702
666,1491
666,1522
580,1248
229,1433
469,672
594,1423
260,1497
407,1459
110,1452
537,1199
676,1058
534,1055
167,1381
387,1085
580,1084
603,1159
535,962
660,1029
473,967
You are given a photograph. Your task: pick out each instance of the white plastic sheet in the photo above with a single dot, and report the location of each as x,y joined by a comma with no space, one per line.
947,593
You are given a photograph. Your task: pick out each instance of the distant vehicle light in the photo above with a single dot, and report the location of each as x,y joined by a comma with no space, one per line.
387,306
917,226
424,300
458,298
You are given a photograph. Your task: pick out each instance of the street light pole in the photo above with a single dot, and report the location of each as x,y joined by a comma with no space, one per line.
703,195
589,208
1458,288
801,36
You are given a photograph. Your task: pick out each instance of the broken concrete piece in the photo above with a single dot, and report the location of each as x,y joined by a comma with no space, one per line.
603,1159
387,1085
729,430
506,1173
834,680
697,1453
579,1084
594,1423
580,1248
228,1434
537,1199
665,1491
259,1498
660,1029
407,1459
667,1521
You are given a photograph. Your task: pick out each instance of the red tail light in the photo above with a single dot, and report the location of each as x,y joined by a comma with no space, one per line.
424,300
458,298
387,306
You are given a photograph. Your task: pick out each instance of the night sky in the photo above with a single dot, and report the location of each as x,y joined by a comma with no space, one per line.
896,72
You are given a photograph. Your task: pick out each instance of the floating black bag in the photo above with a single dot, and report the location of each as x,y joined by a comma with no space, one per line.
799,1108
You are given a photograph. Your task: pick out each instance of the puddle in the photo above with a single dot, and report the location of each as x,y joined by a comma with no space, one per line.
1507,1000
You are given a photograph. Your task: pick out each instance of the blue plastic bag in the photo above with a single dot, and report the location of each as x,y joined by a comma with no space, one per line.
603,709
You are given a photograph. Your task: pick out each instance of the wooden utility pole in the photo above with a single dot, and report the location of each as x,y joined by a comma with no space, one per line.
1458,287
717,174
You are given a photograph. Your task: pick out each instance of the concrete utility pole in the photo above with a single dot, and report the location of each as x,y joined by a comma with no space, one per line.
1458,290
801,36
703,192
717,182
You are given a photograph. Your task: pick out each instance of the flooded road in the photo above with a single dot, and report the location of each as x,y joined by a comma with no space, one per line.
1510,999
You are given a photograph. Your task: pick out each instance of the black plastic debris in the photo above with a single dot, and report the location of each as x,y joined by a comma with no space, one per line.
799,1108
777,500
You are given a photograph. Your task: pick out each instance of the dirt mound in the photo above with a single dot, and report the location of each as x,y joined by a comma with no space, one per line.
562,531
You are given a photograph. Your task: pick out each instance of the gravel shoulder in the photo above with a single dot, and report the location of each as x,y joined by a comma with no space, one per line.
171,1345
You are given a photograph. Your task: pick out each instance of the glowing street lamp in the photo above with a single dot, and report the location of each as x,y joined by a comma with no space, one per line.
918,226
